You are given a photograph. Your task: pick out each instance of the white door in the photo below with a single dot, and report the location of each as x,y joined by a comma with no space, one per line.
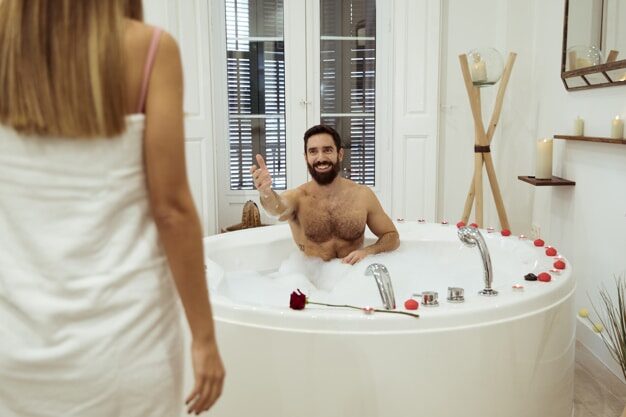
186,21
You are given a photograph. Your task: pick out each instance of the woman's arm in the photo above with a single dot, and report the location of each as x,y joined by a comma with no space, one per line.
176,217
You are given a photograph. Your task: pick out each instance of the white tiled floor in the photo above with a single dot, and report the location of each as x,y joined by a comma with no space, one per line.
597,392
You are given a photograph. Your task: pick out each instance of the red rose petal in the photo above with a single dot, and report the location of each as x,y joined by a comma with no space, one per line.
411,304
551,252
505,232
474,225
460,224
559,265
544,277
539,242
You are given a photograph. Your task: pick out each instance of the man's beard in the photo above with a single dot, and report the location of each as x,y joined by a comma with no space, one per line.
324,178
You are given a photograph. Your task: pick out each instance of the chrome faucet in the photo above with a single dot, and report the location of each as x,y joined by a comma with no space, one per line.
471,237
383,280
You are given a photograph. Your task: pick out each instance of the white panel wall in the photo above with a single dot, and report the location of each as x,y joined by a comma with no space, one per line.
416,27
414,191
188,22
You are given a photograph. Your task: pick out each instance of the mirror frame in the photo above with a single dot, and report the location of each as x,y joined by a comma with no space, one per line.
581,76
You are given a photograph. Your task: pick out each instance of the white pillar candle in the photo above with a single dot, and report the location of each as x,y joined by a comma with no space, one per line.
617,128
579,127
543,167
478,70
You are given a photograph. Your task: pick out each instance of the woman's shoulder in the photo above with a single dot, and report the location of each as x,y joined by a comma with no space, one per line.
138,36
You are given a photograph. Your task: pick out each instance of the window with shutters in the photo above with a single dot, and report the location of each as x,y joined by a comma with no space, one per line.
256,89
256,85
348,81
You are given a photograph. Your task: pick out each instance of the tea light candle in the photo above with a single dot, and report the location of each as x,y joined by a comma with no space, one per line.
478,70
543,167
617,128
579,127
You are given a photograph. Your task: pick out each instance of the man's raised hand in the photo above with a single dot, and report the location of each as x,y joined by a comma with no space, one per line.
261,176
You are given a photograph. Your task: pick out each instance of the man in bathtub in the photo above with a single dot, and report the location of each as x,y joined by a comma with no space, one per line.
328,214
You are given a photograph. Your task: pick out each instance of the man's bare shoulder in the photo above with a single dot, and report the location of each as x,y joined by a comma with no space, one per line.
294,195
362,190
298,191
366,196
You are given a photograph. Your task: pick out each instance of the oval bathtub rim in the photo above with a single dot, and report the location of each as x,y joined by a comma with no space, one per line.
565,298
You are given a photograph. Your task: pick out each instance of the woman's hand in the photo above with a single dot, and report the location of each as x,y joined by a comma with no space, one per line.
209,375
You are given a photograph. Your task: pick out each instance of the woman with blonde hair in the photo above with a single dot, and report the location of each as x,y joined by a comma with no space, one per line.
96,217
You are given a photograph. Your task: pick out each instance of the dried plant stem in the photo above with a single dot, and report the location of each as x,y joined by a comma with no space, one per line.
363,309
614,334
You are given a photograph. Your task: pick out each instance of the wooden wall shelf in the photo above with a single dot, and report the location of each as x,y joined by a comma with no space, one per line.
603,75
554,181
591,139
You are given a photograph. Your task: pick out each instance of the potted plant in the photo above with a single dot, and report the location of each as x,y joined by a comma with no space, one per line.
612,327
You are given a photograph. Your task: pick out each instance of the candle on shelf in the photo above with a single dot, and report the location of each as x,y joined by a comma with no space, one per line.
583,63
579,127
572,60
543,167
478,70
617,128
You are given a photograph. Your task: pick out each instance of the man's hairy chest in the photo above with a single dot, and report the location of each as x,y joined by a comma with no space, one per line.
323,219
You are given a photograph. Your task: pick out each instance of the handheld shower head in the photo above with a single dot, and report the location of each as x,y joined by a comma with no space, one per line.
469,235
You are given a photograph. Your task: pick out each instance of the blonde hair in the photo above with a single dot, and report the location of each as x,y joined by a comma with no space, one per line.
62,66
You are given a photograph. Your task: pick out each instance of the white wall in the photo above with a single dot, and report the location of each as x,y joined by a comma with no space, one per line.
587,222
503,25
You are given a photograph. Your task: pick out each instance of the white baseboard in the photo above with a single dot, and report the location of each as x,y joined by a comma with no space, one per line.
593,342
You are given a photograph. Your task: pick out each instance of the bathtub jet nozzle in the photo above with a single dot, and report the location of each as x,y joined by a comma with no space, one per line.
383,280
471,237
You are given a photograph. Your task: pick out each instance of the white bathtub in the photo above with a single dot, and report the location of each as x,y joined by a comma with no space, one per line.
511,355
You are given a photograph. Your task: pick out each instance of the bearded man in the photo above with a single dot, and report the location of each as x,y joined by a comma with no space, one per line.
328,214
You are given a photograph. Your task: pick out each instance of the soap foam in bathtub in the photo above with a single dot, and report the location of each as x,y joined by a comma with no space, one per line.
412,269
322,275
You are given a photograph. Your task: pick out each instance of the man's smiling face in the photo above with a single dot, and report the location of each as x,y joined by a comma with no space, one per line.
322,158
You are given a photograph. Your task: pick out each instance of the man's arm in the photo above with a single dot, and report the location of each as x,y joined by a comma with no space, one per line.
381,225
276,205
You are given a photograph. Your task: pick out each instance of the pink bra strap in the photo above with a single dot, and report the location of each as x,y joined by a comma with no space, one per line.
147,69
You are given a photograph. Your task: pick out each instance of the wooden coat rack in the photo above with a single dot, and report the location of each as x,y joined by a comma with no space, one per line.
482,141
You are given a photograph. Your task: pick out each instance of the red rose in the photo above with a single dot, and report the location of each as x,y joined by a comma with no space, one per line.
460,224
559,265
297,300
539,242
505,232
474,225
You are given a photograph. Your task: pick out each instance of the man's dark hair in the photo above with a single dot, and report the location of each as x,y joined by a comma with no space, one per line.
317,129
